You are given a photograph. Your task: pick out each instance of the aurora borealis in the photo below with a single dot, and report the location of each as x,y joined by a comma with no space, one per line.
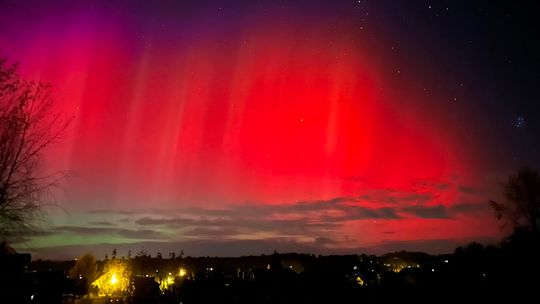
240,127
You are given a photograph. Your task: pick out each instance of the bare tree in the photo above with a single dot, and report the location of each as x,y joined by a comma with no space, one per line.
28,125
85,268
522,205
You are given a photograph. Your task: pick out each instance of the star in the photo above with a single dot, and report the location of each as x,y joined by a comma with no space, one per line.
520,122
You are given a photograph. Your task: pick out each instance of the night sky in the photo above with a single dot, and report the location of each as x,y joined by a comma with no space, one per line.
243,127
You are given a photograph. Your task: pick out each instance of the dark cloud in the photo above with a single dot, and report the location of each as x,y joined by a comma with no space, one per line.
427,212
396,197
324,241
419,198
140,234
444,186
314,205
179,222
19,240
105,211
202,232
427,185
92,231
85,230
356,207
149,221
436,246
298,220
361,213
469,208
27,235
468,189
101,223
302,218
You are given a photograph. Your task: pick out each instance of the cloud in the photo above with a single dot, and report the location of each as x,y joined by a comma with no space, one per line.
470,208
233,227
468,189
179,222
27,235
434,246
149,221
323,241
397,197
100,223
84,230
322,219
94,231
202,232
106,211
419,198
305,218
361,213
146,234
428,212
428,185
301,220
444,186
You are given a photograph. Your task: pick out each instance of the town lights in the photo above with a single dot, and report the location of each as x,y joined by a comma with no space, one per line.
115,279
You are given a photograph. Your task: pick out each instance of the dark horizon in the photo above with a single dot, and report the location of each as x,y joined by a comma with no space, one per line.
254,248
222,127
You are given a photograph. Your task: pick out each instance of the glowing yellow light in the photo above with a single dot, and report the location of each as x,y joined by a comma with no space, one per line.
359,281
182,272
115,279
166,283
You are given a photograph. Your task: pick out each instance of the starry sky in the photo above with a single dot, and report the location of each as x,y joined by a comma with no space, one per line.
243,127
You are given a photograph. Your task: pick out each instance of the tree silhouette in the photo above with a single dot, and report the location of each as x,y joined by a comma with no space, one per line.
85,268
522,204
28,125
